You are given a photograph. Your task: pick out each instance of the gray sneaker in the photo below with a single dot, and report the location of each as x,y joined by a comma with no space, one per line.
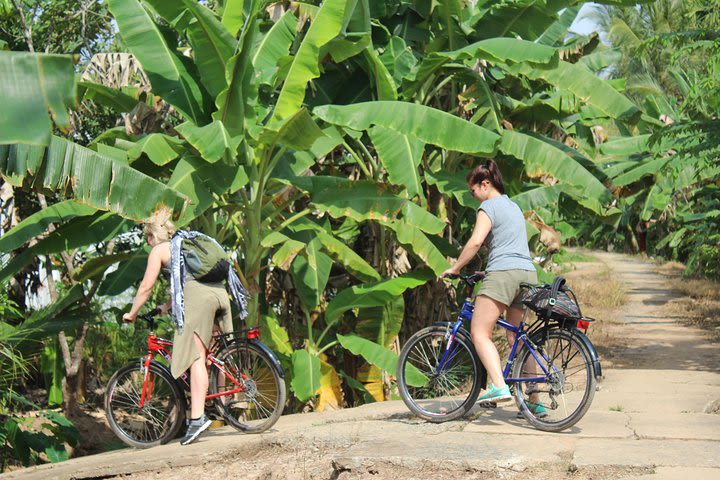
195,428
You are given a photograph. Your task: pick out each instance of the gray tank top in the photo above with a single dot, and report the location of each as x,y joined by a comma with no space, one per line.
507,239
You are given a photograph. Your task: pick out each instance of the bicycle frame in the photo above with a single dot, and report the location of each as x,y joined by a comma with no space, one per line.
520,336
163,347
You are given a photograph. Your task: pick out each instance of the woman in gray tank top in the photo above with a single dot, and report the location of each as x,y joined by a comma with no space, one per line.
500,224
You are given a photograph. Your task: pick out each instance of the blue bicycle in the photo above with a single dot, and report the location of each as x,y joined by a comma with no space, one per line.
552,369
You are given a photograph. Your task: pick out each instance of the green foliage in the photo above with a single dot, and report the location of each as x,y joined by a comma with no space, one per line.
666,174
331,157
31,444
45,86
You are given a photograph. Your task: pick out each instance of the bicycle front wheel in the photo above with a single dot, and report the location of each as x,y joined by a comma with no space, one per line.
565,396
437,385
260,398
163,408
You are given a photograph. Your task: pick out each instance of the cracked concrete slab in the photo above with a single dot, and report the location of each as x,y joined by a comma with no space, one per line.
646,422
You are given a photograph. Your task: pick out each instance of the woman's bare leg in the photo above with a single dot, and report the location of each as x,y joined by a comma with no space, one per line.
198,380
483,322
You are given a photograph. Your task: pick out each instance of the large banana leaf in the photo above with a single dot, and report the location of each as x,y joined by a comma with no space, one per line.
541,158
384,83
37,88
330,394
235,103
212,141
427,124
523,18
373,353
212,46
418,243
326,26
310,271
452,184
643,169
400,155
79,232
381,357
538,197
38,222
582,83
507,50
626,145
161,149
97,266
168,75
306,374
336,249
298,131
558,29
274,46
347,257
494,50
373,295
363,200
381,324
188,178
274,335
90,178
398,59
235,14
120,100
128,273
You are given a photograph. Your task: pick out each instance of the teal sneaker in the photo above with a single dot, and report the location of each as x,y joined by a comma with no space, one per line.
497,395
537,409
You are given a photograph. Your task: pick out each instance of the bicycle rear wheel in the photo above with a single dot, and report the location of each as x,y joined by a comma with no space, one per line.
570,386
163,410
434,391
262,399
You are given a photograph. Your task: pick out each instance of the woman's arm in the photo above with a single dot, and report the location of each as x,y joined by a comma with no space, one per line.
480,232
151,274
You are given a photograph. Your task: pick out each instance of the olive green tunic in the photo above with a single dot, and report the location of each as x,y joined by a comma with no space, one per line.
205,304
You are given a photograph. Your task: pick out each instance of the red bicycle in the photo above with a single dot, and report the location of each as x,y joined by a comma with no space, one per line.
146,406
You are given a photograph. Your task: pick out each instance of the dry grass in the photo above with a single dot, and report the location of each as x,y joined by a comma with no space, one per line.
701,304
597,291
601,296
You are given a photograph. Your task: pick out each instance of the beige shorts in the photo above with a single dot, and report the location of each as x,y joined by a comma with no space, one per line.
205,304
504,285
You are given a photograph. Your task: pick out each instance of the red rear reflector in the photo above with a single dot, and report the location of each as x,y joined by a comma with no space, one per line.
252,334
583,324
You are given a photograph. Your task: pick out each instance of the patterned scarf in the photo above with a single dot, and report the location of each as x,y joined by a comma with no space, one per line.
177,280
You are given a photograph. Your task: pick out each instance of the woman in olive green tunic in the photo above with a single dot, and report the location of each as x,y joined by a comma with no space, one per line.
205,305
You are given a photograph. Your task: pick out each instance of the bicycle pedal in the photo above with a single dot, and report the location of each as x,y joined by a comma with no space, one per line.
487,404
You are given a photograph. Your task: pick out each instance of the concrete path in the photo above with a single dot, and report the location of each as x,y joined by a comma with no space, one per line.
647,422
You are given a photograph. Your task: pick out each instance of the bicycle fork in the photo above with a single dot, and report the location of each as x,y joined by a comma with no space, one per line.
450,351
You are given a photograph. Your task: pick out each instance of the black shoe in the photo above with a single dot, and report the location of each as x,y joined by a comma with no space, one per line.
195,428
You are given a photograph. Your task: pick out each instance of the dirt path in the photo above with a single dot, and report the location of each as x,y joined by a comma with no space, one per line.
647,421
647,334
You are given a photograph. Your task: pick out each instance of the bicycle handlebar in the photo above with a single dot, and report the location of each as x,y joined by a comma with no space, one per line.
470,280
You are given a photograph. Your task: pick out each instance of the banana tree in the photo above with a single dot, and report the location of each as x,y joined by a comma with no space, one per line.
270,120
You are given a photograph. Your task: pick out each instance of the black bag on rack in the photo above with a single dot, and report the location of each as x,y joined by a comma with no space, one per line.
552,301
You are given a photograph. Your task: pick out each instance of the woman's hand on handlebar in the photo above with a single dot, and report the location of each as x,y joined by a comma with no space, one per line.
129,318
451,272
164,309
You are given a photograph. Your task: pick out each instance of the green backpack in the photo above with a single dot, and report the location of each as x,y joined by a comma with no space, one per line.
205,259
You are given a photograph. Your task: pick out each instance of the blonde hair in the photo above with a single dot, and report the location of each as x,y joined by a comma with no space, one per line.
160,226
